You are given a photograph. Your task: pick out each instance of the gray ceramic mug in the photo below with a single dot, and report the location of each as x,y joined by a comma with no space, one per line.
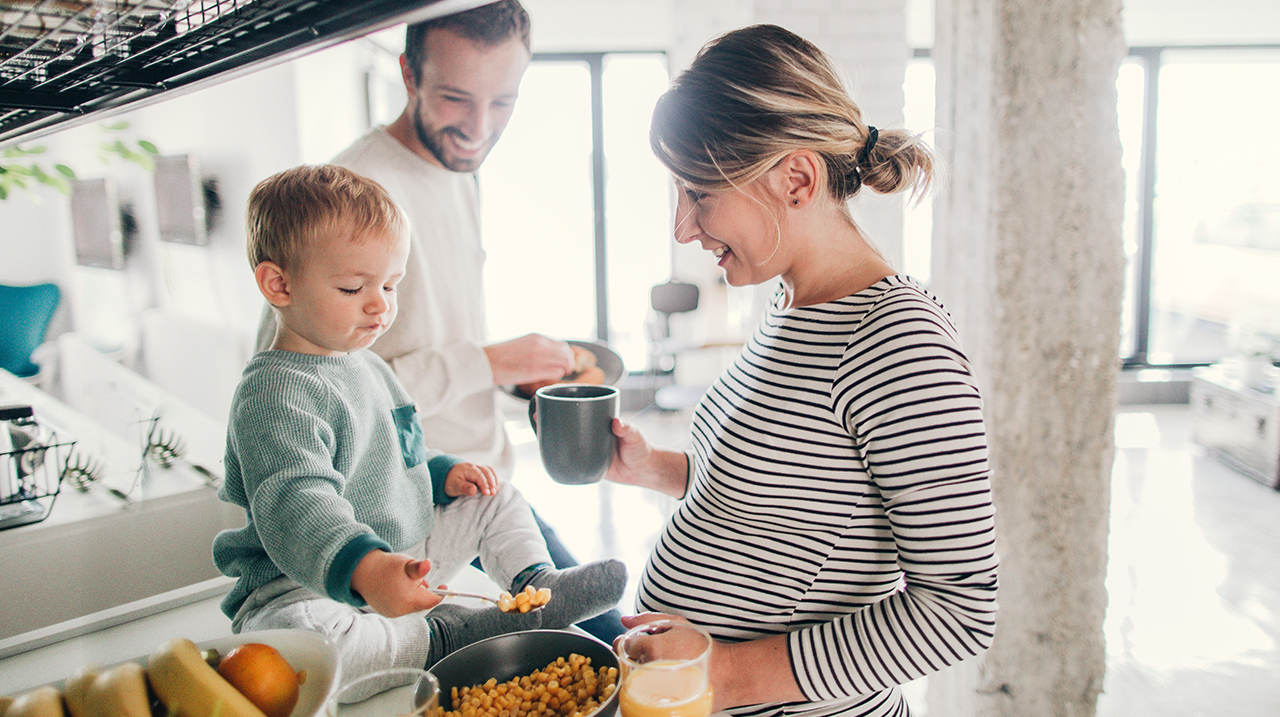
574,423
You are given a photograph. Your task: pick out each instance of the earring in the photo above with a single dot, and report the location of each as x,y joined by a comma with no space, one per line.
795,202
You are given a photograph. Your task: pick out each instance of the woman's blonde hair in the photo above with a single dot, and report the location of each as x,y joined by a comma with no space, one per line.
752,96
291,210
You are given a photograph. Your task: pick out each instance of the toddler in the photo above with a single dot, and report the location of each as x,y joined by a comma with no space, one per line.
349,515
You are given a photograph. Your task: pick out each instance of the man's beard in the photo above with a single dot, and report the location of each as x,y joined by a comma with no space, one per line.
434,142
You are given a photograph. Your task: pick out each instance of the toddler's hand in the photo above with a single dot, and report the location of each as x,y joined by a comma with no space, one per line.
470,478
394,584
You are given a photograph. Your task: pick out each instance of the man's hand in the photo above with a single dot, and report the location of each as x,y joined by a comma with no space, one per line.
470,478
393,584
532,357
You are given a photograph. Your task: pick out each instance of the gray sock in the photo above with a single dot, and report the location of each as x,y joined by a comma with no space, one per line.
579,593
454,626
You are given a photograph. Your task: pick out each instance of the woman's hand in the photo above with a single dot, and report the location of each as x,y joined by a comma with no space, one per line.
637,463
393,584
644,618
631,461
741,673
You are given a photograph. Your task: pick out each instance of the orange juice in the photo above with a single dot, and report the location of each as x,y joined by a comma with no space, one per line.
666,688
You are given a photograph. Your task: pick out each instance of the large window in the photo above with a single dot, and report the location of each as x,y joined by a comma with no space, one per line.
577,212
1202,199
1202,228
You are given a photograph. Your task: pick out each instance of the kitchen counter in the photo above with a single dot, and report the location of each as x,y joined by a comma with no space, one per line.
1237,423
105,638
133,631
97,551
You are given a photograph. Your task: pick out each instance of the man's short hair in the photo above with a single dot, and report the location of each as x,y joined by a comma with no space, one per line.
487,25
289,211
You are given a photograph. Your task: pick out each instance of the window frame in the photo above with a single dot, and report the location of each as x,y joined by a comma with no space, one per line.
595,62
1151,58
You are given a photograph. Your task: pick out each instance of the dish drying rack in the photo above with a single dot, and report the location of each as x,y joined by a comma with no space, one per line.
31,467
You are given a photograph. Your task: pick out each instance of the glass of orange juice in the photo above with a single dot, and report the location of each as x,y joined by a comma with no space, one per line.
664,670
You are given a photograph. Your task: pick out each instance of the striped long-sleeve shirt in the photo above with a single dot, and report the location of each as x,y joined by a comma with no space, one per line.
840,494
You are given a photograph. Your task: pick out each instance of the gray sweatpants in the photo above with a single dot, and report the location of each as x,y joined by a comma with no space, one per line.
500,529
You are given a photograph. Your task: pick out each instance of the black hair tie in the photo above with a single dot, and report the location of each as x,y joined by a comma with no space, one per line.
873,134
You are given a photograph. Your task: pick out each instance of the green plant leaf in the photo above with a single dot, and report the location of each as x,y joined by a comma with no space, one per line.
59,184
65,171
20,151
150,148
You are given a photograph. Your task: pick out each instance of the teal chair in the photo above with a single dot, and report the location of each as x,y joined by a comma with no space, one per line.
25,313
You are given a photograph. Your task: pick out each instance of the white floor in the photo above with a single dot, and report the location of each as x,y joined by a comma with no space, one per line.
1193,628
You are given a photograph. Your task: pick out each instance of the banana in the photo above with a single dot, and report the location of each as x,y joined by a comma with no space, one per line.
189,687
75,691
40,702
119,692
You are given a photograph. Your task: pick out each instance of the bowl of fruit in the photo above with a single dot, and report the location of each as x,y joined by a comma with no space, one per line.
271,673
248,663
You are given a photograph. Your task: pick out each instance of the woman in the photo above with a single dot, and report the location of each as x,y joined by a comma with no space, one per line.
835,530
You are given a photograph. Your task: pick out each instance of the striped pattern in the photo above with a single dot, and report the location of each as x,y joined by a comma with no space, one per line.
840,494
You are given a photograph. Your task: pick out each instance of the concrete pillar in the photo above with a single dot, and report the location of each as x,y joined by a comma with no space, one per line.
1027,256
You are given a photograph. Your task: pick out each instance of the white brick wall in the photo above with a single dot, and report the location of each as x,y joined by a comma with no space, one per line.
868,38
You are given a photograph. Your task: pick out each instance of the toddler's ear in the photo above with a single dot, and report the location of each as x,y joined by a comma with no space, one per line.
273,283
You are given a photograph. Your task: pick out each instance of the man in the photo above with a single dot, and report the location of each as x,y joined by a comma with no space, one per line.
462,73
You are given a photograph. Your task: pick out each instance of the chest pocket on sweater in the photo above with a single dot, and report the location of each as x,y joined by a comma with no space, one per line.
409,431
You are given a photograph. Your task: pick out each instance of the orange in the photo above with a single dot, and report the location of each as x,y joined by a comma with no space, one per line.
263,676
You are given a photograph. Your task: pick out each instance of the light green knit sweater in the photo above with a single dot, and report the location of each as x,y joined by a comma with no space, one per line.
326,456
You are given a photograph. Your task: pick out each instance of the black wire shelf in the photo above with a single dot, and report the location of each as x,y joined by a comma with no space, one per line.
64,62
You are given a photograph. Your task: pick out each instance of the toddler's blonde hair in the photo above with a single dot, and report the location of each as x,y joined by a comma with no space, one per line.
290,211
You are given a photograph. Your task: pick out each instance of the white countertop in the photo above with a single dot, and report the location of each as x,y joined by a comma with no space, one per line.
111,636
132,634
96,551
133,631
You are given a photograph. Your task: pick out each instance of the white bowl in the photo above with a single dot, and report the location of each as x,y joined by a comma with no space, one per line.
304,650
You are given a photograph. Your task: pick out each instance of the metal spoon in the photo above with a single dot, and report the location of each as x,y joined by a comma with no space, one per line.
478,596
